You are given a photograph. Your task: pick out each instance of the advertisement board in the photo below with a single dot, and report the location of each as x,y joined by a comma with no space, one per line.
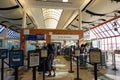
16,58
3,53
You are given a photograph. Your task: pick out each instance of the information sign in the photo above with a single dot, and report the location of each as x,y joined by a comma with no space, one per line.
33,58
77,52
16,58
30,37
40,37
3,53
44,53
95,56
36,37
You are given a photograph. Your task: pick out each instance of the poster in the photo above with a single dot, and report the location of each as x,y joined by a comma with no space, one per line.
33,59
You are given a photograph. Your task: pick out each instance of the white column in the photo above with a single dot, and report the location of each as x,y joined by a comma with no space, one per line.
24,20
80,19
6,36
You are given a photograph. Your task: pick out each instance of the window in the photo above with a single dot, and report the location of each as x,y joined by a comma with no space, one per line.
1,28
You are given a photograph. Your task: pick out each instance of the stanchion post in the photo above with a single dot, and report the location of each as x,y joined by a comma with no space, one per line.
114,63
16,73
77,53
2,69
95,71
70,55
34,73
44,70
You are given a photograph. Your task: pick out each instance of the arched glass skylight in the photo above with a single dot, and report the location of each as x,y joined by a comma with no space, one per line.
51,17
13,34
1,28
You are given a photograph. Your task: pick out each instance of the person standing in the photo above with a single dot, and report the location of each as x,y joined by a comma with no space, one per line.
50,60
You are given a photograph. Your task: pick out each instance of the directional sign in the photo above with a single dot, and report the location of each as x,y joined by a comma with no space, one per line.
3,53
16,58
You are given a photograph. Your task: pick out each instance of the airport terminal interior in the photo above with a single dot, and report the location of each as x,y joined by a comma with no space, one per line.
59,39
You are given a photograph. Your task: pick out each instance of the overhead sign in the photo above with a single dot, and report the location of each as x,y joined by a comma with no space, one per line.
36,37
33,58
16,58
65,37
40,37
3,53
30,37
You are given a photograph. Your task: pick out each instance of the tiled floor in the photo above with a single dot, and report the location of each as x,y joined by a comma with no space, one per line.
62,68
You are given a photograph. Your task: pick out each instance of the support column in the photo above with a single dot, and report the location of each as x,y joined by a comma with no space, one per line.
22,37
6,34
80,19
24,20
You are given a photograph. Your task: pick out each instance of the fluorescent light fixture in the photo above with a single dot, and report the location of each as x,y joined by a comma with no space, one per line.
65,0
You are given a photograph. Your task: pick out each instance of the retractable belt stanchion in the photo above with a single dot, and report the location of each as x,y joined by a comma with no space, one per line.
34,73
16,60
70,55
3,55
16,73
2,69
33,61
114,62
44,54
95,58
77,54
95,71
44,70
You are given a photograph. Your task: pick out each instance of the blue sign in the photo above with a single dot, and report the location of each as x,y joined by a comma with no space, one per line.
36,37
3,53
40,37
30,37
16,58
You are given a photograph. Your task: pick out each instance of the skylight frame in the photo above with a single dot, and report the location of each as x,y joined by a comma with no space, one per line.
51,17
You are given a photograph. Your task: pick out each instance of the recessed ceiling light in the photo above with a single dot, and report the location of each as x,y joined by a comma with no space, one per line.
65,0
